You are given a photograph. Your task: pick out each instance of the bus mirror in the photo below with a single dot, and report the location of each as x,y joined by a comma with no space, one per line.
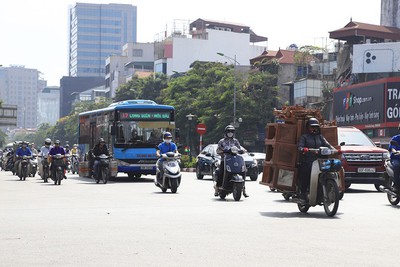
112,130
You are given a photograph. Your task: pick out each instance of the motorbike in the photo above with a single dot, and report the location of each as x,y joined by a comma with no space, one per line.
45,169
9,162
34,165
103,172
170,175
324,183
234,174
58,168
68,162
74,163
388,187
24,167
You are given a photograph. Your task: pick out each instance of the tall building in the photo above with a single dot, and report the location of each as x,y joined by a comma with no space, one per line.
390,11
72,86
49,105
136,59
96,32
20,86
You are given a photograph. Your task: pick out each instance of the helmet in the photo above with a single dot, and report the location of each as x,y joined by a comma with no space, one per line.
101,140
313,122
75,145
167,135
47,141
57,142
67,145
229,128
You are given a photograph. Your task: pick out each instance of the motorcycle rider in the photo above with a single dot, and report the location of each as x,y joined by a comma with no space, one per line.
312,139
44,152
227,142
162,148
33,149
99,148
56,149
21,151
75,150
394,150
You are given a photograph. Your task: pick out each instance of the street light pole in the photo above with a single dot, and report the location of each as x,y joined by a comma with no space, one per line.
190,118
234,84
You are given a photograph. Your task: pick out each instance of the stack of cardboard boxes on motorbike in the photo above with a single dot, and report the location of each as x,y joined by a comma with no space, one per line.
280,168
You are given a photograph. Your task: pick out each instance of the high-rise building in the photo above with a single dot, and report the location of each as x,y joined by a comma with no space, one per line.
96,32
20,86
49,105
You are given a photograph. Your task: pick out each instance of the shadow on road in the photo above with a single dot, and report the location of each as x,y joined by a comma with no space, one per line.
309,215
360,191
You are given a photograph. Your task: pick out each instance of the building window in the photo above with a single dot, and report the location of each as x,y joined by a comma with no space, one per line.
137,52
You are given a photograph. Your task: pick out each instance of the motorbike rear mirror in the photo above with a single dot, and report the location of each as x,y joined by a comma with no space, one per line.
342,143
208,154
393,143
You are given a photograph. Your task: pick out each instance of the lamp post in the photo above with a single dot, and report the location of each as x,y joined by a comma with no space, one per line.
234,85
190,118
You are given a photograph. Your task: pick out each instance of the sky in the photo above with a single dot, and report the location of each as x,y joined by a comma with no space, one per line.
34,33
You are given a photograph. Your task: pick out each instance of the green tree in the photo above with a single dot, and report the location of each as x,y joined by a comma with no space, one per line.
207,91
142,88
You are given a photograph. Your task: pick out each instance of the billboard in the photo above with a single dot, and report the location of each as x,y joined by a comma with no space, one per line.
375,58
359,105
392,102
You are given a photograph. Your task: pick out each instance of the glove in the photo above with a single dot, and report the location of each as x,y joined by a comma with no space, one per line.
305,150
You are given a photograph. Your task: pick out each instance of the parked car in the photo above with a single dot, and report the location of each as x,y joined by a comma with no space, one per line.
362,160
208,160
260,157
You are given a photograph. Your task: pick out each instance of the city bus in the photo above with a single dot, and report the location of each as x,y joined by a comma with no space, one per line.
132,130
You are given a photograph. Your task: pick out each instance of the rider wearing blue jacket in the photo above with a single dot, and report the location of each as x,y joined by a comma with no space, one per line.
395,160
164,147
22,151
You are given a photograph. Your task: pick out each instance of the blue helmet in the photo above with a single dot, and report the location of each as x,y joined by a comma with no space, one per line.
167,135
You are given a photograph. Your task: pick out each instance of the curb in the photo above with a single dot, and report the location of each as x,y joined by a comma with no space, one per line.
188,169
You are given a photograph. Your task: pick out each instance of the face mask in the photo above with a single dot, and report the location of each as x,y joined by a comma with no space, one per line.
167,141
230,135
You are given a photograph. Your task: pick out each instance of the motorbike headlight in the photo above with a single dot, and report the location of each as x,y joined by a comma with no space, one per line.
386,155
254,163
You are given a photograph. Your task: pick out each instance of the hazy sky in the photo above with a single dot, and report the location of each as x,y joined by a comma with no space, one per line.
34,33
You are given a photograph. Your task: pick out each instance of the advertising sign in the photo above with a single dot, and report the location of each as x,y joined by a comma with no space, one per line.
360,105
392,102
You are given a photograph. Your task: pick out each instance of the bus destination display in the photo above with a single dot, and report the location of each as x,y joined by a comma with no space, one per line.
145,115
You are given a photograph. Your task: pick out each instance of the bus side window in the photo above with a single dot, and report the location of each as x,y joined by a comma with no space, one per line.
120,134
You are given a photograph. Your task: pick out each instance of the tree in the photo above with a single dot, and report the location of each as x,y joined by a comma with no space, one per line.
142,88
207,91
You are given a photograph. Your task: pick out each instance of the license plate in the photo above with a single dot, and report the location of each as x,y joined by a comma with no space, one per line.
146,167
366,170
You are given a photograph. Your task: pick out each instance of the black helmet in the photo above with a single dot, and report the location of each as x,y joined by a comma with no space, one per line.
313,122
229,128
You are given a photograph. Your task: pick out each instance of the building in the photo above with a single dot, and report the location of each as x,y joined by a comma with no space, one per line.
389,13
70,86
8,116
97,31
206,40
92,94
49,105
134,59
20,86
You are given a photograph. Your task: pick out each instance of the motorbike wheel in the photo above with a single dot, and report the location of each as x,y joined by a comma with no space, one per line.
164,189
254,177
303,207
45,175
174,185
394,200
58,178
104,175
331,199
198,173
237,191
24,175
286,196
222,195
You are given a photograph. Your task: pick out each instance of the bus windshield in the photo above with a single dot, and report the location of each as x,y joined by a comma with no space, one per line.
140,133
140,128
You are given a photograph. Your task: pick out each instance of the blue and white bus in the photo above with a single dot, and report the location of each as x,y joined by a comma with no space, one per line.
132,129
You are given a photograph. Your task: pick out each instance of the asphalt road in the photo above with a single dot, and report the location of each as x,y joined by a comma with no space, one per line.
126,223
